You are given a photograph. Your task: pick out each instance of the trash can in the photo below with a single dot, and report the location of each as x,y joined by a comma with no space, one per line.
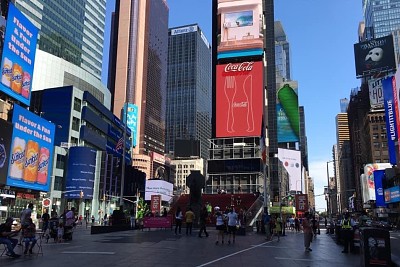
375,247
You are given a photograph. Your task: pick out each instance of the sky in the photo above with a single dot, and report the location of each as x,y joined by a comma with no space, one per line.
321,35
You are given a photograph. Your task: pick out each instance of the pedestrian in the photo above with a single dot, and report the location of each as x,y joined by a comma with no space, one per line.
132,217
346,232
232,218
6,237
178,220
92,219
291,223
307,230
203,221
278,227
326,223
45,220
189,218
29,236
266,220
220,225
314,226
60,232
297,224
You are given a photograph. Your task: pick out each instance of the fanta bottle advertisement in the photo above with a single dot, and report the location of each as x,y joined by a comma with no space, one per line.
31,151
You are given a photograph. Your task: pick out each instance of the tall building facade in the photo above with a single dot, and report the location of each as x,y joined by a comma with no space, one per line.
72,30
141,71
282,52
189,104
303,139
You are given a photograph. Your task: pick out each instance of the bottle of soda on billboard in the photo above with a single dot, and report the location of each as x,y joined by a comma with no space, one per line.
17,158
31,161
43,166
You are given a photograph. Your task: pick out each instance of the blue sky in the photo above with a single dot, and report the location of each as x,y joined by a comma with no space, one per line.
321,36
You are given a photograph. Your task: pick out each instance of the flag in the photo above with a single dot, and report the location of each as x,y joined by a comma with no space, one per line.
119,144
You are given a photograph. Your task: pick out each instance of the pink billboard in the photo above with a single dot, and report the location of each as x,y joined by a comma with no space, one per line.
239,99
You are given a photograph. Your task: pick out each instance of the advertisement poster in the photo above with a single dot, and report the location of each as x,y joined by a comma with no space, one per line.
239,99
374,56
391,118
287,111
379,176
291,160
132,118
155,204
240,28
158,187
369,173
5,145
18,56
392,194
376,93
301,202
80,172
32,147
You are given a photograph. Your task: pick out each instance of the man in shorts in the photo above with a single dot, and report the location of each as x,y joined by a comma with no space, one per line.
232,222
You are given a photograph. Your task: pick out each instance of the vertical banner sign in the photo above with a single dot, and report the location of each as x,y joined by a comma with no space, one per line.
379,175
131,116
18,56
287,111
80,172
390,116
239,99
155,204
376,98
301,202
5,145
32,148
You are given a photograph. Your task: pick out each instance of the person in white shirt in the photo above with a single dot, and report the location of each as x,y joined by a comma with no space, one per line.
220,225
232,222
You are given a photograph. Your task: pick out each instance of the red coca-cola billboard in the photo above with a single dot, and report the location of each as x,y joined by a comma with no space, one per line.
239,99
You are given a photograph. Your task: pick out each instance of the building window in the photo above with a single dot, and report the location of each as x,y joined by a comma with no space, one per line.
75,124
60,161
58,183
74,140
77,104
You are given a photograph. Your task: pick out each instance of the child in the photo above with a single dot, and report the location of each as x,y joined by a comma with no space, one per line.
60,232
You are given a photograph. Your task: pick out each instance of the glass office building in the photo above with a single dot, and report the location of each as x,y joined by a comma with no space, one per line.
381,17
189,104
72,30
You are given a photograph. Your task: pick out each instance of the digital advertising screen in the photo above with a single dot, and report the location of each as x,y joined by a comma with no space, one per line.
80,172
240,28
5,145
18,56
391,117
291,161
32,150
374,56
239,99
159,187
287,112
132,119
392,194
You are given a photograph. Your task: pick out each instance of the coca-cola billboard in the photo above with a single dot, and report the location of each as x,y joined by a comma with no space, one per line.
239,99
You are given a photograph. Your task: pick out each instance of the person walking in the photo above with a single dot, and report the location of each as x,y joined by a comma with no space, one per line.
189,218
220,225
297,224
278,228
203,221
232,222
307,230
266,221
347,232
178,220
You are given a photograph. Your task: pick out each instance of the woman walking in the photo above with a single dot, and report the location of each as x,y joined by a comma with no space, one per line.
220,225
178,220
307,229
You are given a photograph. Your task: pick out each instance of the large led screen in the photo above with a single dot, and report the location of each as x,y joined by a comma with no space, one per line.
18,56
240,28
159,187
291,161
287,112
80,172
5,144
32,149
239,99
132,118
374,56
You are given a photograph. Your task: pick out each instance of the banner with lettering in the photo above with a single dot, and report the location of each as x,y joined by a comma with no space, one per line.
390,117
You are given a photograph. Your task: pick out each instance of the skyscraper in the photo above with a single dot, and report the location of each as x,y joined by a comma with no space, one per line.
141,71
381,17
72,30
282,52
188,115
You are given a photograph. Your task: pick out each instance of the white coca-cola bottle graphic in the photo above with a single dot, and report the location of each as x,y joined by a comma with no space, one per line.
230,92
248,91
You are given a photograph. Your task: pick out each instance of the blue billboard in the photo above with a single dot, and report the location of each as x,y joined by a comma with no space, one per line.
18,56
392,194
80,173
379,175
132,118
32,149
390,117
5,144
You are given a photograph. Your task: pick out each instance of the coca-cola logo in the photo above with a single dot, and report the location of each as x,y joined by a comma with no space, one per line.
239,67
32,160
17,156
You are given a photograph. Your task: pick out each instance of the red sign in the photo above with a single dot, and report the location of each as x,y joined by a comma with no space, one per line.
157,222
239,99
26,196
301,202
156,203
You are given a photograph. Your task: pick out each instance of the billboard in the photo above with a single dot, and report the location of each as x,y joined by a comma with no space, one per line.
301,202
379,175
392,194
80,172
5,144
391,117
374,56
369,169
18,56
291,160
287,111
239,99
132,118
32,147
158,187
155,204
239,28
376,93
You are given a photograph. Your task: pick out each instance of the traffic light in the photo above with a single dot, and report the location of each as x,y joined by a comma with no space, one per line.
290,197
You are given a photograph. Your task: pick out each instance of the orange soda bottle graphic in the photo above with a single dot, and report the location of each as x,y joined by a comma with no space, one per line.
43,166
31,161
16,81
17,158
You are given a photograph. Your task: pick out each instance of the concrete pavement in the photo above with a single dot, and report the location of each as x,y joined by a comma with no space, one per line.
164,248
